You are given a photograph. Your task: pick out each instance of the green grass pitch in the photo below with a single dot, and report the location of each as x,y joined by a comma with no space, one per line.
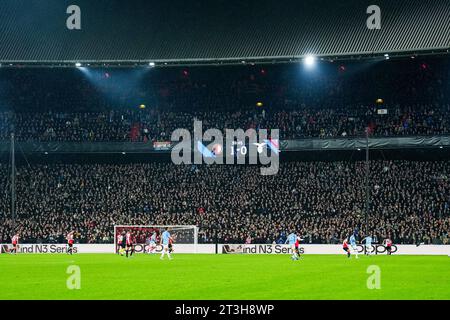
109,276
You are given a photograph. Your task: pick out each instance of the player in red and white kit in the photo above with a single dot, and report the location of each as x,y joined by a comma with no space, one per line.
15,243
345,247
388,245
120,244
171,240
129,243
70,242
297,246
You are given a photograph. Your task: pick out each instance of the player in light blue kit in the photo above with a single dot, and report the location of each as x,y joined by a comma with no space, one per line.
152,243
165,239
368,242
291,239
353,245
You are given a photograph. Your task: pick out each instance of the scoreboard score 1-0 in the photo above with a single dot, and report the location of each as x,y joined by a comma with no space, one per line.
238,148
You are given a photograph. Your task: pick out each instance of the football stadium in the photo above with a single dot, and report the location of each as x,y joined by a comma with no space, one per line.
224,150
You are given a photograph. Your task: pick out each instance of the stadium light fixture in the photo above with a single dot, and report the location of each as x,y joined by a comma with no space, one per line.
77,64
151,64
309,61
386,56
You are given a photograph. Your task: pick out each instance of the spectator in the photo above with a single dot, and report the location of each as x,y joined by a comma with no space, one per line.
328,202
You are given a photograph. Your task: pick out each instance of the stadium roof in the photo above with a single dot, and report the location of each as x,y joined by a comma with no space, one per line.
211,31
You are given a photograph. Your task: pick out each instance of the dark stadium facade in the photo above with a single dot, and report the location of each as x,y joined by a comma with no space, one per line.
217,32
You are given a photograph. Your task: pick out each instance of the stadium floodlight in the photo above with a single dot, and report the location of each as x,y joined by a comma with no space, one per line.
386,56
151,64
77,64
309,60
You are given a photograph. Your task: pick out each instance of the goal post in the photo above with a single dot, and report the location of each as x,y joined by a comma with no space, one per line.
185,235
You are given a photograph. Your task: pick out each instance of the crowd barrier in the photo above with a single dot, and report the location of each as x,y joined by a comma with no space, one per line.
376,249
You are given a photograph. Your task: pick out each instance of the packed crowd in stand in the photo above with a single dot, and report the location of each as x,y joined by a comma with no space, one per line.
337,100
322,201
151,125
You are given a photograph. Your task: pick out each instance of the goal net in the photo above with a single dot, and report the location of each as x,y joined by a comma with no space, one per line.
185,237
